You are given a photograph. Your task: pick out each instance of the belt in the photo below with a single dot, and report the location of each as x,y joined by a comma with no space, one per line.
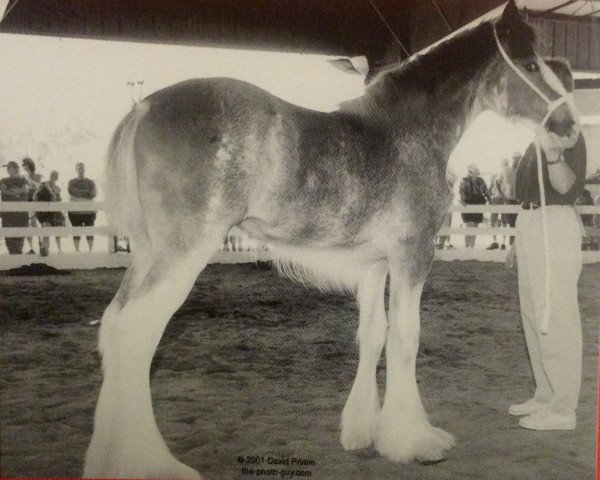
530,205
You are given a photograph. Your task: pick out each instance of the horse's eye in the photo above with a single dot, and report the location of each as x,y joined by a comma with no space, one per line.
532,67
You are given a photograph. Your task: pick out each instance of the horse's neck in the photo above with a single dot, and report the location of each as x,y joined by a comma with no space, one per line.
437,95
442,113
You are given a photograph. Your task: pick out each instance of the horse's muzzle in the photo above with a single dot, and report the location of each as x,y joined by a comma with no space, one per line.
562,125
562,142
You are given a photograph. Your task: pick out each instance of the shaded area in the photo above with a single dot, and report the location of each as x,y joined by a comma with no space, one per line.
34,269
253,364
335,27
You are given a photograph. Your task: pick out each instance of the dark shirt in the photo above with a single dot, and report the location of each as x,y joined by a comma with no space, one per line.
82,188
10,183
47,193
526,184
473,191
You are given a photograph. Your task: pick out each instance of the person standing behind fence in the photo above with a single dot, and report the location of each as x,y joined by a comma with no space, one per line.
14,188
447,223
497,199
82,189
49,192
507,184
34,180
473,191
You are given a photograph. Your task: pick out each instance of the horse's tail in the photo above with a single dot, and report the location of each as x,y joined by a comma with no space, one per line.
123,205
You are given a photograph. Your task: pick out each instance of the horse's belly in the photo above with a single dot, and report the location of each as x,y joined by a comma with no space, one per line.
304,229
325,268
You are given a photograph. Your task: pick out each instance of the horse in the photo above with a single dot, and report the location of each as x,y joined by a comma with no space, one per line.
345,200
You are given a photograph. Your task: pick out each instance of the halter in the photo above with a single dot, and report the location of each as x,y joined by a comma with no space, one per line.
551,105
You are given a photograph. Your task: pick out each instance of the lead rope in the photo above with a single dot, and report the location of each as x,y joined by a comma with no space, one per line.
540,174
552,105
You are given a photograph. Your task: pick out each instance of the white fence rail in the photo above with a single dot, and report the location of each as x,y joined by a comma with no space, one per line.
65,207
108,258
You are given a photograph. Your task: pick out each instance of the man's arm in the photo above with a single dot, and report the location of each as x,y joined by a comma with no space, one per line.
17,191
499,183
70,188
485,190
77,192
25,188
93,191
462,192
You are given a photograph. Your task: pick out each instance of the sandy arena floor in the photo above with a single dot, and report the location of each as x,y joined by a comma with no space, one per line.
254,365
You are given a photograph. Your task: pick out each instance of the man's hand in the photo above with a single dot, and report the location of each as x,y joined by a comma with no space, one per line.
554,145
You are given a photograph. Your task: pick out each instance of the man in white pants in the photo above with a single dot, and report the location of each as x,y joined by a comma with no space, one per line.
556,356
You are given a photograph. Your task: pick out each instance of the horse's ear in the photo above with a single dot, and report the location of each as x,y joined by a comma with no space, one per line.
511,17
516,35
357,65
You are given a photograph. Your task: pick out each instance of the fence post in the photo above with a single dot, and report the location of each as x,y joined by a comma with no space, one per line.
112,242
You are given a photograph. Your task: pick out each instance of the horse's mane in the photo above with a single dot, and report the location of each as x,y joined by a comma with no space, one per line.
460,55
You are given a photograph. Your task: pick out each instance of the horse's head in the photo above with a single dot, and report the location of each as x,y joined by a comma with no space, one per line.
536,91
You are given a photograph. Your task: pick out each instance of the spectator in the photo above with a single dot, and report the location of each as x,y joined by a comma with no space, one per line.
82,189
447,223
497,199
14,188
442,239
34,180
508,186
473,191
49,192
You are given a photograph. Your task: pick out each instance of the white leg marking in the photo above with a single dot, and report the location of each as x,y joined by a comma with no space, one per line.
361,413
126,442
404,432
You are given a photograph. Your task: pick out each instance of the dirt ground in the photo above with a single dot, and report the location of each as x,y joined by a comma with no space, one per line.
255,365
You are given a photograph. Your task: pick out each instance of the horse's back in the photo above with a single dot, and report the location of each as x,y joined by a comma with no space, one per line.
201,114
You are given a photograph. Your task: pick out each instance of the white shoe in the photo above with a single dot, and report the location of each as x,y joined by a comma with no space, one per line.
546,420
526,408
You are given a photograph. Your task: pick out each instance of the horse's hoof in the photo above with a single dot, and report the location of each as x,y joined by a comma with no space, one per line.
404,442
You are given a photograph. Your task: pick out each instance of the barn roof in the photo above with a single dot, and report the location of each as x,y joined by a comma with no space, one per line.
333,27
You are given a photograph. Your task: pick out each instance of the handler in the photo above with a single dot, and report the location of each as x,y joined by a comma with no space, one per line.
556,356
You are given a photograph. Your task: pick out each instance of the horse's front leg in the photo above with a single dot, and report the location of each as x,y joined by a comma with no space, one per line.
361,413
404,431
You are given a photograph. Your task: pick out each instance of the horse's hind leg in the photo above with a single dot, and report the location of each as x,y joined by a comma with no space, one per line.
126,442
140,264
361,413
404,431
